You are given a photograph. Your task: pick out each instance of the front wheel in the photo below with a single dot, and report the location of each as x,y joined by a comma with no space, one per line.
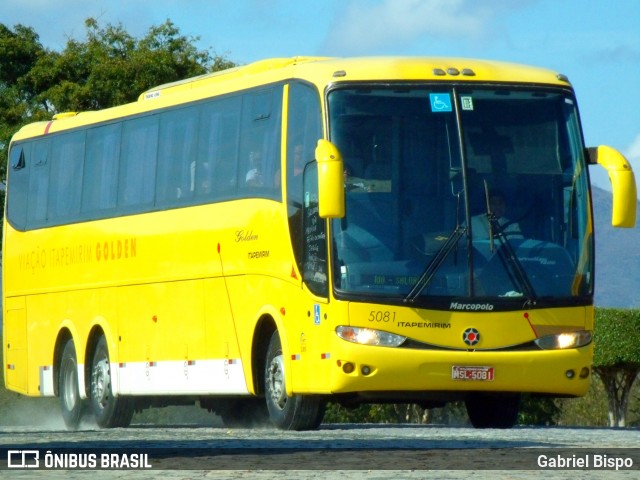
493,411
109,411
299,412
71,404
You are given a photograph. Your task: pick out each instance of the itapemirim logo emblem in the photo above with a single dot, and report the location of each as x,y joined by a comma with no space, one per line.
471,336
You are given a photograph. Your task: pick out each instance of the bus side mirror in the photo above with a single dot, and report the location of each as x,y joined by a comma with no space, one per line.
623,184
330,180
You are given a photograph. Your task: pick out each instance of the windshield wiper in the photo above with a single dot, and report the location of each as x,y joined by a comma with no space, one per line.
517,272
430,272
514,267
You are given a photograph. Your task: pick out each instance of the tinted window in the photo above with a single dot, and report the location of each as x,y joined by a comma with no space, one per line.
100,182
138,161
304,128
182,156
176,156
260,143
67,160
38,183
314,262
17,185
216,172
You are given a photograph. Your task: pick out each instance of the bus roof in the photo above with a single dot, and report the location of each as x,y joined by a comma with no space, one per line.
328,70
318,70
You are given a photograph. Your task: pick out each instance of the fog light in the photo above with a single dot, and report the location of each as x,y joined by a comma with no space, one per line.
348,367
570,374
584,373
365,370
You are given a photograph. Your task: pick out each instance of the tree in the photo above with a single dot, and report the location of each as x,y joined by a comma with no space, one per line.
20,51
109,67
617,358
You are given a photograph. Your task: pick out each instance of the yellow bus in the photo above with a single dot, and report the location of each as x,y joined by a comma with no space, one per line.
269,238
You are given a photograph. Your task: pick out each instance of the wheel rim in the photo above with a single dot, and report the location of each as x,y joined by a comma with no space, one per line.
275,379
101,382
69,393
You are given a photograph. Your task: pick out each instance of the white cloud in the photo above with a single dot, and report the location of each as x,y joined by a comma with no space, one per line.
633,155
633,151
366,26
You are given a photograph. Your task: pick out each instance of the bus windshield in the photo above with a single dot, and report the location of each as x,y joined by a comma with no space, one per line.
461,192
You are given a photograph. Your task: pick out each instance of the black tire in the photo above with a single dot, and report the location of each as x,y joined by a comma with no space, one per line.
493,411
299,412
109,411
243,412
71,405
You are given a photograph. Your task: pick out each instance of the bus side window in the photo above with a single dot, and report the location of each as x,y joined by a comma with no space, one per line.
100,180
137,172
260,142
38,184
17,186
215,174
314,256
304,128
176,154
67,164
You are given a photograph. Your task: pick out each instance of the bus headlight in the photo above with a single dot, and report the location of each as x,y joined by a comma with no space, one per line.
565,340
369,336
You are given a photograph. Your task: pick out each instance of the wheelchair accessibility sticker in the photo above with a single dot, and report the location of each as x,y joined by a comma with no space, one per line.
440,102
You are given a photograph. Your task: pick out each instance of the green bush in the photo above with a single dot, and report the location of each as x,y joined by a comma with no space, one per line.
617,358
617,338
541,411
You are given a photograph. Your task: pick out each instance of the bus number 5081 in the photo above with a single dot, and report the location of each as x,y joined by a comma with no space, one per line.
382,316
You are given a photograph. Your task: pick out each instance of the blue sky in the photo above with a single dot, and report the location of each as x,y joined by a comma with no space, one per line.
595,42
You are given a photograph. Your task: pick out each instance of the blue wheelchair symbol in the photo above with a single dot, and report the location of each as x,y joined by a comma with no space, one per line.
440,102
316,314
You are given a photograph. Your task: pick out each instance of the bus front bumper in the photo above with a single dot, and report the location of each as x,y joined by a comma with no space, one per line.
359,368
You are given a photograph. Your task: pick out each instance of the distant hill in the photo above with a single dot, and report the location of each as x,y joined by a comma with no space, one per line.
617,257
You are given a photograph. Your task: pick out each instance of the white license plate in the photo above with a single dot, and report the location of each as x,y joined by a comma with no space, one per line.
476,374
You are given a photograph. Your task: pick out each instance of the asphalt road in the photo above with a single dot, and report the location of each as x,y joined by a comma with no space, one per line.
369,452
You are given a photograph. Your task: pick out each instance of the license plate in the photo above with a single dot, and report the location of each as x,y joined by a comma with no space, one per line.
476,374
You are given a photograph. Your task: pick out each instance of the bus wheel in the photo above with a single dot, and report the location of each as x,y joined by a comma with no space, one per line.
109,411
70,402
299,412
493,411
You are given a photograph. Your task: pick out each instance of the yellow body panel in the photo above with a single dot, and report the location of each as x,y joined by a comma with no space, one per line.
152,282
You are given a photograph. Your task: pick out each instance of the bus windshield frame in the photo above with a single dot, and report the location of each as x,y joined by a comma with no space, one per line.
461,195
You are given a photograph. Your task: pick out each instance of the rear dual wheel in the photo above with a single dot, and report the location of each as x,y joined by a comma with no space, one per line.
71,405
109,411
